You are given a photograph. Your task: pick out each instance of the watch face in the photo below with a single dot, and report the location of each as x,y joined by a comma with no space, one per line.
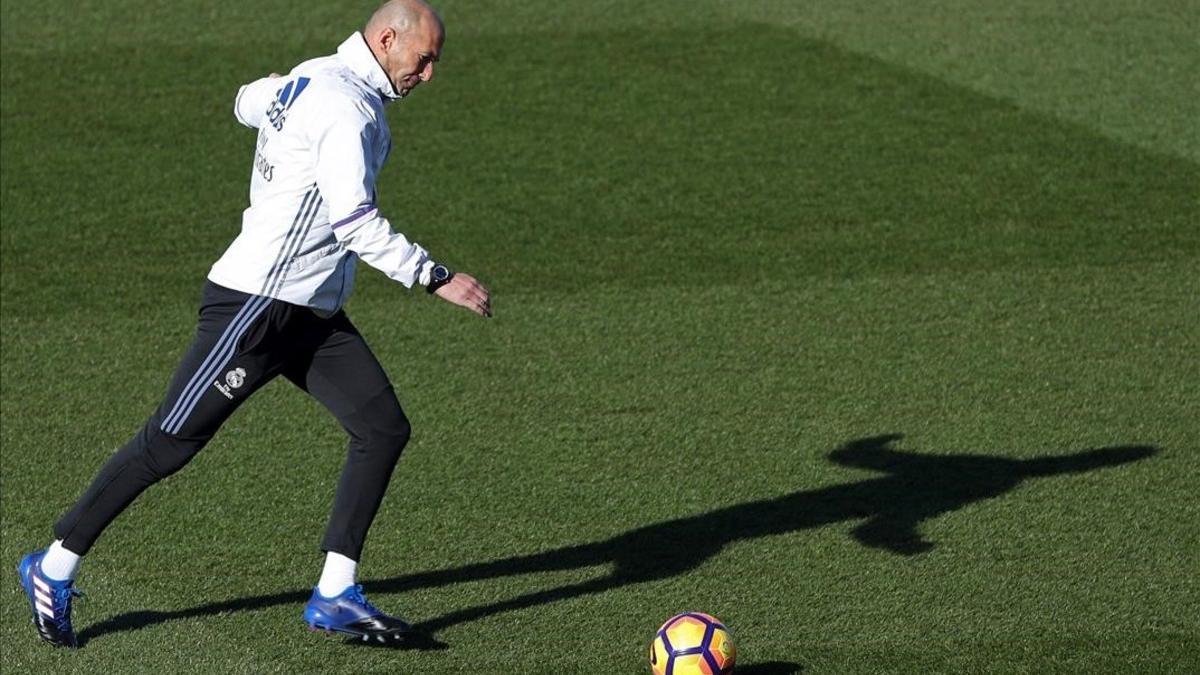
440,272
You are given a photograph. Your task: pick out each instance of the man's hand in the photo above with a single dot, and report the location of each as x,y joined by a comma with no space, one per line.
465,291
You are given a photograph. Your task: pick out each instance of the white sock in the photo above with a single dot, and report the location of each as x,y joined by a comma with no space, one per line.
60,564
337,576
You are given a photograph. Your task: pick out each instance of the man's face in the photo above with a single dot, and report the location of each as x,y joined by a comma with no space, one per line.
408,59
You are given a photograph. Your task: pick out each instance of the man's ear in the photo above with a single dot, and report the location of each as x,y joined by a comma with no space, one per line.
386,39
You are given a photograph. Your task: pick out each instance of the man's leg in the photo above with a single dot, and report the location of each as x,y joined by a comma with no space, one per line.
346,378
344,375
217,373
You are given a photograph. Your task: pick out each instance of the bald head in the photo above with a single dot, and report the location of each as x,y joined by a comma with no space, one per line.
403,16
406,38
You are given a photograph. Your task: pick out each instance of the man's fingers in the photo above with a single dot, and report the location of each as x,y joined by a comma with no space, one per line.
478,294
477,289
466,291
484,302
479,304
475,298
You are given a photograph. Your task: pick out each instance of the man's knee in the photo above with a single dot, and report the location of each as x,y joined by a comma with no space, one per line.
392,430
388,428
164,454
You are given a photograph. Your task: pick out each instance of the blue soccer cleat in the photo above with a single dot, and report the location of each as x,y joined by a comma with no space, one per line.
350,613
50,601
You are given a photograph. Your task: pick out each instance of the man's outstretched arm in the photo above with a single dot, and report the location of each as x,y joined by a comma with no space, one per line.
345,180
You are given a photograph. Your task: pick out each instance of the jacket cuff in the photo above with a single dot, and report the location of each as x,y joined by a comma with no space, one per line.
423,276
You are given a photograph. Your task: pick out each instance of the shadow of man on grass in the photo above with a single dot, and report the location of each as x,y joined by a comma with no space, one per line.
913,488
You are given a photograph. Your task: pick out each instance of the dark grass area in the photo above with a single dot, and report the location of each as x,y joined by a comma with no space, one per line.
890,375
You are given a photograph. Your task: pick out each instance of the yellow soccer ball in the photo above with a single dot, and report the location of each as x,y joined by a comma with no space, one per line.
692,643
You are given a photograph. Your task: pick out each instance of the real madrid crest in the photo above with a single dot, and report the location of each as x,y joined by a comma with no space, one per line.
235,378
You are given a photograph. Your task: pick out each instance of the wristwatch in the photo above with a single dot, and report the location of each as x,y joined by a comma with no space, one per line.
439,276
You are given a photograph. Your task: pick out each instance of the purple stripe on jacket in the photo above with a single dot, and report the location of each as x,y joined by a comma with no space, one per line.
353,216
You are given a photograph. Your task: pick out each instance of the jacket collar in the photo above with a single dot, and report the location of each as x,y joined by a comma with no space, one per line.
355,53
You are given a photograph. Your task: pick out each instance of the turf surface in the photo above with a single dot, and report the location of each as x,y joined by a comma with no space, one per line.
814,318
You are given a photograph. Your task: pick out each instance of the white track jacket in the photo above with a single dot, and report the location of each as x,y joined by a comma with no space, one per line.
322,139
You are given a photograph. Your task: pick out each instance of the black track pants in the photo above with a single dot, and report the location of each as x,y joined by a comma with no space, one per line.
244,341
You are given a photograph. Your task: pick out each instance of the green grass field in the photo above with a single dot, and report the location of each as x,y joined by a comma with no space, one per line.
814,316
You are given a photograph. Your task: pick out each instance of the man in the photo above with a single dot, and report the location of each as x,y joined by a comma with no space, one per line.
272,306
